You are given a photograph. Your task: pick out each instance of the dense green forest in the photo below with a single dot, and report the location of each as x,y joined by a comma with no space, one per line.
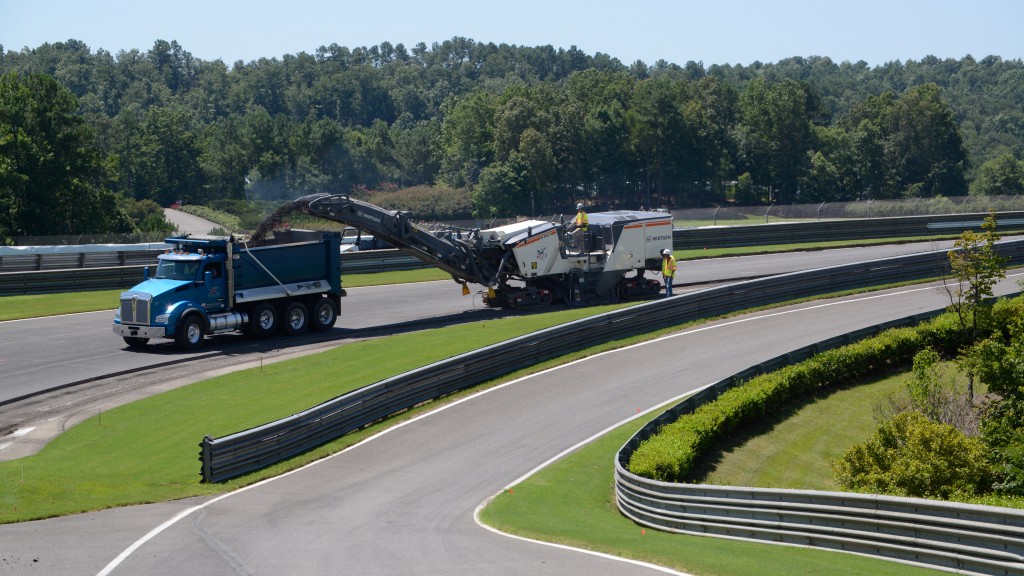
493,130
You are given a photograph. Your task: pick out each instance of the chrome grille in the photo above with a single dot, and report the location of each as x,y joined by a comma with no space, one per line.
134,309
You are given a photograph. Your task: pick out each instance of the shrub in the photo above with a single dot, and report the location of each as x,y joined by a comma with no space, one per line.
249,213
223,219
140,210
670,454
943,334
1005,311
1003,432
911,455
425,202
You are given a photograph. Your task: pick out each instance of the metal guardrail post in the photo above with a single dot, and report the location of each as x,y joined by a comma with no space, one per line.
206,456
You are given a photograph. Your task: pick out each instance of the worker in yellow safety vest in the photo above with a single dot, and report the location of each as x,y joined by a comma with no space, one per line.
668,270
580,225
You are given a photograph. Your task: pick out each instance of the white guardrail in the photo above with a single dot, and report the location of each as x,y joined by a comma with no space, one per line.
961,538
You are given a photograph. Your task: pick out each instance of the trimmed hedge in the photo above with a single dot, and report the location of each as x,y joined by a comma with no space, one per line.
671,453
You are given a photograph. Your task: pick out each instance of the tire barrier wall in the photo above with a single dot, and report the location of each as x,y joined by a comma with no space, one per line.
243,452
964,538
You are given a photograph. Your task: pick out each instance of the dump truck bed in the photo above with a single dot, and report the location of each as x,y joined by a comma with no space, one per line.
291,258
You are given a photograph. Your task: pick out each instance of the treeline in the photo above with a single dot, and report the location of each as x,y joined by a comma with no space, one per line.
511,129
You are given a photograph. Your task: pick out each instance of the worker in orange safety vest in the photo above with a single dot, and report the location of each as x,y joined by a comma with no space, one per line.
668,270
580,225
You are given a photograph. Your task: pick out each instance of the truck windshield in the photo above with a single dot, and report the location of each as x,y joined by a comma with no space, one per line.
177,269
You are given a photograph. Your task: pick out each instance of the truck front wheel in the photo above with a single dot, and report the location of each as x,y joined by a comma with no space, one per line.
190,333
263,320
296,318
135,341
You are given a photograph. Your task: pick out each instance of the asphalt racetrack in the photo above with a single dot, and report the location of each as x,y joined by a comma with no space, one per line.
403,501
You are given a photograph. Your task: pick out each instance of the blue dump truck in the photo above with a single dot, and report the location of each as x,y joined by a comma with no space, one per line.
213,284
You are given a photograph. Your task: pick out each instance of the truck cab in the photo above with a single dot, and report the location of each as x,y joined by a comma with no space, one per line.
187,279
202,274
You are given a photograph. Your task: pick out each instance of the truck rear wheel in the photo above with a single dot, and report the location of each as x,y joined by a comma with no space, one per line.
296,318
323,314
190,333
263,320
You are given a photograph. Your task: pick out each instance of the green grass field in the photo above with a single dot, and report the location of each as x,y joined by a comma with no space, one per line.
693,254
147,451
37,305
572,502
745,220
794,450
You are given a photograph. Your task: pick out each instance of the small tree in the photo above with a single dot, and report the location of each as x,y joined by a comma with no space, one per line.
977,268
1003,432
999,363
925,381
913,456
939,394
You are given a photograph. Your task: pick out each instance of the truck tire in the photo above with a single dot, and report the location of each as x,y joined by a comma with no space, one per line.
295,318
322,314
135,341
263,320
190,333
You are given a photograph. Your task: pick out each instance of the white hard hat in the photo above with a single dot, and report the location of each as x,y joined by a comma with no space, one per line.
666,252
579,206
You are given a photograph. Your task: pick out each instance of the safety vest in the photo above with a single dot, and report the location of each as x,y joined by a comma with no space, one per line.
582,221
668,266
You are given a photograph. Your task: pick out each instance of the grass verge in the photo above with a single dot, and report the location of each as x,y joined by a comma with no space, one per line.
793,449
147,451
39,305
398,277
694,254
572,502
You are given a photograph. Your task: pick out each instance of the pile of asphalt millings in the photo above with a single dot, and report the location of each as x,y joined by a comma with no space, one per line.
274,220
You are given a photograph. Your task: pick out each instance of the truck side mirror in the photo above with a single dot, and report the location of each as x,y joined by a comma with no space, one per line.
208,277
145,273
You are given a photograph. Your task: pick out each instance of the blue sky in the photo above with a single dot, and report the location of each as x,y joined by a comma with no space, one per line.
712,32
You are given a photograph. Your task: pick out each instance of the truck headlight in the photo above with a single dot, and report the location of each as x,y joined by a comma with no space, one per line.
161,319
